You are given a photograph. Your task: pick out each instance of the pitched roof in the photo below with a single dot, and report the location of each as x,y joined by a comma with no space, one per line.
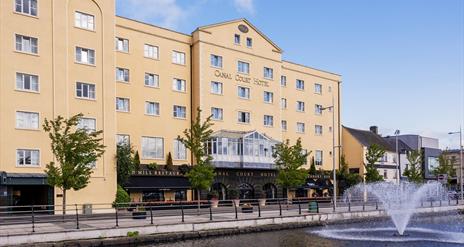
248,23
231,134
401,145
367,138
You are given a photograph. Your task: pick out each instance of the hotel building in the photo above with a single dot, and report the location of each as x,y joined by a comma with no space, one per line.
141,84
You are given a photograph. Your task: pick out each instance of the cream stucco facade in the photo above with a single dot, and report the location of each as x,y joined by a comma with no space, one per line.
147,82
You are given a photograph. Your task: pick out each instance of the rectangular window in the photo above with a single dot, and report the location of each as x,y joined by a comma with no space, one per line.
318,109
178,85
300,106
85,90
151,80
27,82
317,88
152,108
216,113
283,103
27,120
249,42
300,127
27,157
237,39
88,124
243,67
268,73
268,120
216,61
28,7
26,44
122,74
122,139
84,55
299,84
122,104
180,152
84,21
318,130
122,44
283,81
243,117
150,51
152,148
216,87
283,125
318,157
243,92
179,111
268,97
178,57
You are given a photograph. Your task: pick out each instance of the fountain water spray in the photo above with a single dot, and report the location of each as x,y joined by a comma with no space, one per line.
399,200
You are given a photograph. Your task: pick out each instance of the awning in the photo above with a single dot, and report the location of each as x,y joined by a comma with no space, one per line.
154,182
10,178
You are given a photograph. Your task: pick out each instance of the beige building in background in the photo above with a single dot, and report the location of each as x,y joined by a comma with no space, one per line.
141,84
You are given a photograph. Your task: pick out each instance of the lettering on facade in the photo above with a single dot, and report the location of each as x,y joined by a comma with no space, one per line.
241,78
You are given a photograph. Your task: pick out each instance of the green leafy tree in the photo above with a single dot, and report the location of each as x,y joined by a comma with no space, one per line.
312,168
122,197
345,178
74,150
373,155
169,163
137,160
125,163
201,176
414,172
289,161
446,166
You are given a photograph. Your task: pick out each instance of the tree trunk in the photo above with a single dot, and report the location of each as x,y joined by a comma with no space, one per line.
198,199
64,202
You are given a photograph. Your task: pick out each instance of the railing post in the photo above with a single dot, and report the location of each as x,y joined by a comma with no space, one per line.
116,214
182,211
440,202
210,212
151,215
259,210
333,204
376,205
422,203
457,200
77,218
235,207
364,206
33,219
299,207
280,208
349,206
317,207
431,203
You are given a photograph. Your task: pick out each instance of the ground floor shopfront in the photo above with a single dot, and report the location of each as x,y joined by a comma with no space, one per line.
25,189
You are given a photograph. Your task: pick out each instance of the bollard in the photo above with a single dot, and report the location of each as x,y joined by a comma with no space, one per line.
280,209
151,215
77,218
117,218
236,213
210,213
182,211
259,210
33,219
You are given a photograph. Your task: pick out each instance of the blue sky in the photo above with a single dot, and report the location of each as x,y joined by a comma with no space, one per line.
402,62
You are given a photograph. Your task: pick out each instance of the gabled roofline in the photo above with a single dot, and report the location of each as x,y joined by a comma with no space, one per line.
153,25
248,23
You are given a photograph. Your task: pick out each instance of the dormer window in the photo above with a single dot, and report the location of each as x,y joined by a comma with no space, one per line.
237,39
249,42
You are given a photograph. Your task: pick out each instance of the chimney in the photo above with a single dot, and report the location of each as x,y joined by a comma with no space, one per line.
374,129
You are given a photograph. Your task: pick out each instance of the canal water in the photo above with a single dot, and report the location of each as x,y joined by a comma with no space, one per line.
436,231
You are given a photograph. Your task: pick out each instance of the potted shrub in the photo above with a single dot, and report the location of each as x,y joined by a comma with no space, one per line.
152,166
247,208
139,213
213,197
233,195
262,200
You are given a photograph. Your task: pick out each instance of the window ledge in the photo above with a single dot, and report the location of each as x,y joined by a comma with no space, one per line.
27,91
27,53
27,15
86,64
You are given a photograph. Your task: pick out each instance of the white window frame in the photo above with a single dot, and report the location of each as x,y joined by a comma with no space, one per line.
24,152
220,113
182,114
151,51
156,142
300,106
249,42
180,151
182,87
156,108
247,117
241,68
91,94
283,103
26,8
26,44
247,92
178,57
34,84
84,124
318,109
25,121
124,104
125,75
318,157
283,81
283,125
122,139
268,73
218,85
268,121
89,55
84,21
151,80
237,39
299,84
268,97
216,61
318,88
122,44
318,130
302,130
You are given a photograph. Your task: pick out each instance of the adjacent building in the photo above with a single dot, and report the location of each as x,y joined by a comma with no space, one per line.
454,155
141,84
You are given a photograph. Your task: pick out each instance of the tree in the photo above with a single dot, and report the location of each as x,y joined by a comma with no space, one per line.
169,163
125,163
289,160
122,198
137,160
446,166
345,178
414,172
312,168
373,155
74,150
201,176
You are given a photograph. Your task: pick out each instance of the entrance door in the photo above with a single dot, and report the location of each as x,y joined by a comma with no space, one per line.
27,195
246,191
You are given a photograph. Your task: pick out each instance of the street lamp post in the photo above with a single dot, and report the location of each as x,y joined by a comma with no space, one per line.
333,151
461,161
397,132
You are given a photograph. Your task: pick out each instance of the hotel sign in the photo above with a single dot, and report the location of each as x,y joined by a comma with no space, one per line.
241,78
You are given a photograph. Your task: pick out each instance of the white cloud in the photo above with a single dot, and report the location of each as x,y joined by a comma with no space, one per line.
244,6
165,13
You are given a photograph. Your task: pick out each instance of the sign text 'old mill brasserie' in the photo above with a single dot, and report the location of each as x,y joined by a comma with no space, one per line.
241,78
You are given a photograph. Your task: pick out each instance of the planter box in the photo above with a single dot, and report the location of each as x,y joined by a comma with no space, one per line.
262,202
140,215
214,203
